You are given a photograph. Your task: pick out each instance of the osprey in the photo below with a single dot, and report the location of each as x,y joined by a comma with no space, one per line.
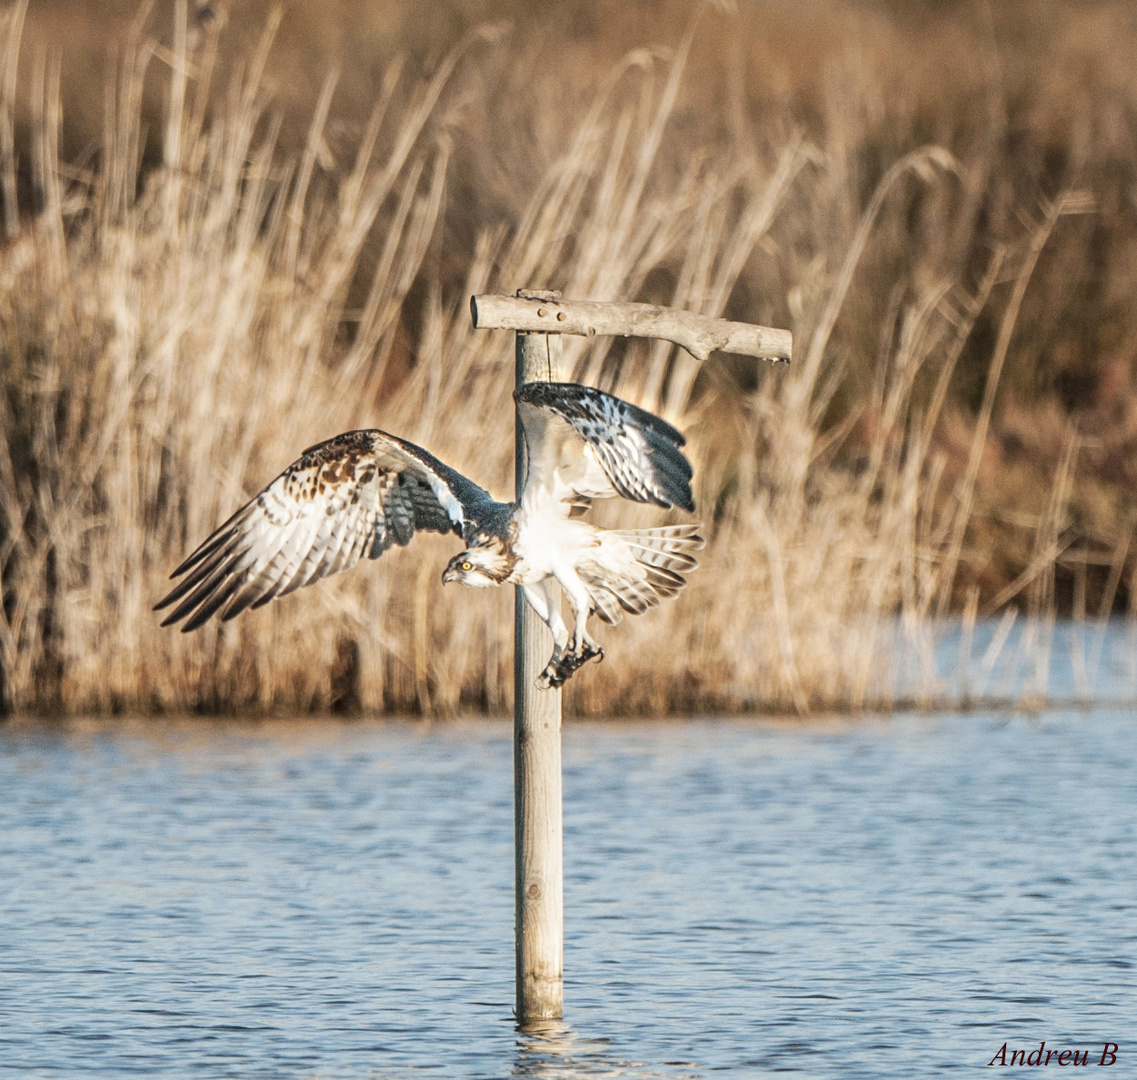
359,493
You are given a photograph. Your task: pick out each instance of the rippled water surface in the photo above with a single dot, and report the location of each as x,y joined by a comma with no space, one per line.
876,899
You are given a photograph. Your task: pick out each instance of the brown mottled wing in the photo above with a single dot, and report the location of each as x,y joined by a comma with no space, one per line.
345,499
586,444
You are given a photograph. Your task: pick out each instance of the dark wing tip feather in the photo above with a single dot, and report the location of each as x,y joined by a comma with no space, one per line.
212,603
671,471
227,530
667,482
655,424
685,501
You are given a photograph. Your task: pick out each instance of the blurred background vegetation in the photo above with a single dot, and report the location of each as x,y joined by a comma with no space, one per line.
234,229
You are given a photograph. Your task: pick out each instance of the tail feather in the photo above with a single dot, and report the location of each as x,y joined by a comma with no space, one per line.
605,604
668,547
661,557
665,582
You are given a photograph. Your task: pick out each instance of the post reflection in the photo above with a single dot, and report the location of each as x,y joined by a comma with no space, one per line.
552,1050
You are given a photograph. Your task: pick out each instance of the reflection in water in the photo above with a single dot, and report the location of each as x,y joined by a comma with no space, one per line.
879,899
552,1050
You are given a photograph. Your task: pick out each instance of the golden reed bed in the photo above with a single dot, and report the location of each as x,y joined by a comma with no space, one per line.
235,250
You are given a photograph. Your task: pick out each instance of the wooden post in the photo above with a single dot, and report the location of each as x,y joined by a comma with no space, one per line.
539,319
539,867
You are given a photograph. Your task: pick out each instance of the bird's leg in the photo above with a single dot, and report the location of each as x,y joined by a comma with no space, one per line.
550,615
567,656
582,648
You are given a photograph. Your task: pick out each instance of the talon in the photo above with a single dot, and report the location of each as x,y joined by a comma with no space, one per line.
551,677
561,668
590,651
554,674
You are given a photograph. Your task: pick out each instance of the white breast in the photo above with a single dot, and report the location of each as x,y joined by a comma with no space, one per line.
549,543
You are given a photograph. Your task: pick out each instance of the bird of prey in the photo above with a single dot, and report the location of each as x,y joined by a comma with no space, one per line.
359,493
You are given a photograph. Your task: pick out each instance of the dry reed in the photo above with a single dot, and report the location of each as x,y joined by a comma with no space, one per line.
175,331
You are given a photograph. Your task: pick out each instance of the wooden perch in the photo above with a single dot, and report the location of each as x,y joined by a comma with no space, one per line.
700,335
538,318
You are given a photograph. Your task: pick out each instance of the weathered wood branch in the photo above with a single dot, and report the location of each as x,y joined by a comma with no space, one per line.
700,335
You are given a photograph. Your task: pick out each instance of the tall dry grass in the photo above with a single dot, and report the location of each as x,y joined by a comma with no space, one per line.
177,325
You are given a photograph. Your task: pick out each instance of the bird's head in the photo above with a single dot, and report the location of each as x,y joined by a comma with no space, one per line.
479,567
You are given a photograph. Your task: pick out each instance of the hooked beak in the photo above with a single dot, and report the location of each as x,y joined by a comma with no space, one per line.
449,574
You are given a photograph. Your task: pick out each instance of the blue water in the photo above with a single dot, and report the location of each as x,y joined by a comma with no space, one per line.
1011,660
866,899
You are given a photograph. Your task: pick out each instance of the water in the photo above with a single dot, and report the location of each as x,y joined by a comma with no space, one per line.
1011,660
869,899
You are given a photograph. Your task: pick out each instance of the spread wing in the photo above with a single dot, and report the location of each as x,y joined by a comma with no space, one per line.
586,444
345,499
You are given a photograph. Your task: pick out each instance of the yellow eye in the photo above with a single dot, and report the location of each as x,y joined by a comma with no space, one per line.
467,566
